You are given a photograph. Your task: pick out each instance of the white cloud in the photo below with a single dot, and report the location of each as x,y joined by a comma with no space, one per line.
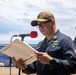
69,3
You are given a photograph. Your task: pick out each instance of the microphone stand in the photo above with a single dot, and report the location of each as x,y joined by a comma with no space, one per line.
22,39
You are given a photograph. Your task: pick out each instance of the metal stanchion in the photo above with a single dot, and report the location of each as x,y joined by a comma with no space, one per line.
10,57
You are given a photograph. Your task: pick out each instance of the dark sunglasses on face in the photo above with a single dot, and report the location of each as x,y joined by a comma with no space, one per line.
42,24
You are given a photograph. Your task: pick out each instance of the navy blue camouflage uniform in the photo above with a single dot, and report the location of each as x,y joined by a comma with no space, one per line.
61,48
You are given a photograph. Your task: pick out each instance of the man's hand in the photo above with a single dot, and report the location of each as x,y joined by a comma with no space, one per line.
44,58
20,63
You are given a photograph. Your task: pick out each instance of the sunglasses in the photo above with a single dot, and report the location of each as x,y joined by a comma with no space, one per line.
42,24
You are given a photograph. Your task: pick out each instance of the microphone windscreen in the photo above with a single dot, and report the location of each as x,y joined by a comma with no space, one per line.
33,34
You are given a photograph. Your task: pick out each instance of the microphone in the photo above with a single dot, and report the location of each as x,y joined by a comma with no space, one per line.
33,34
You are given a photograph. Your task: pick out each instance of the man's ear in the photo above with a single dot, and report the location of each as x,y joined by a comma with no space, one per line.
53,21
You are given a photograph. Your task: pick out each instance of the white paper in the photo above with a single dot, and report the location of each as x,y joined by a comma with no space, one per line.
19,50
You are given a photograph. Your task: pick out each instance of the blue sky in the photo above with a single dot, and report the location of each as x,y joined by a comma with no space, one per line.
16,16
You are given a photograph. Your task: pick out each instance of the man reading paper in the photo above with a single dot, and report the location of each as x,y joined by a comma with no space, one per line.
55,51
